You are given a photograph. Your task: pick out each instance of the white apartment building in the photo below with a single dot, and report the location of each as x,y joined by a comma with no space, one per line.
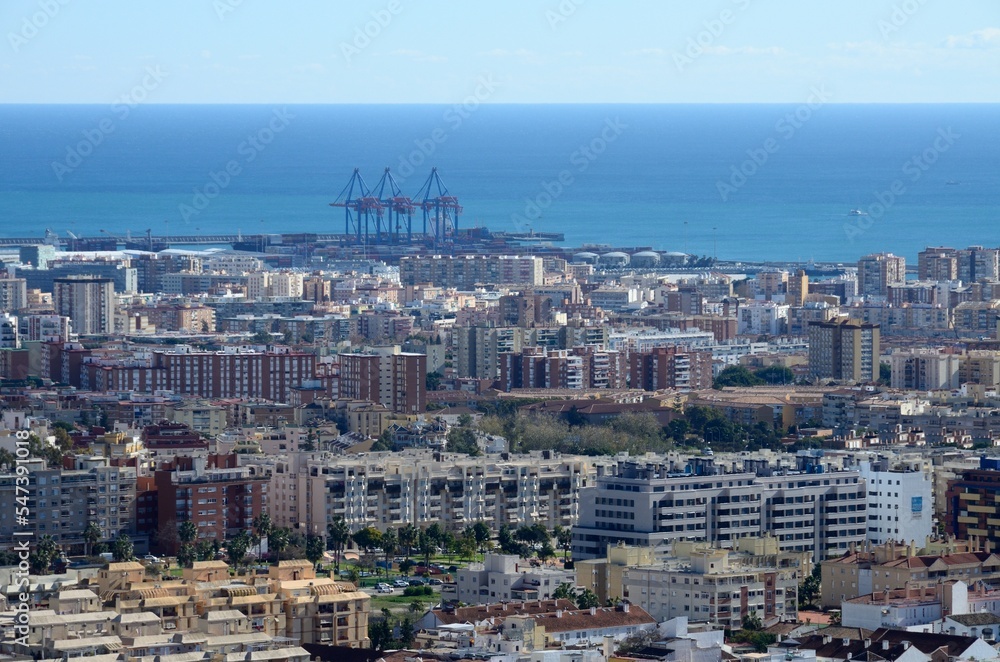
900,501
649,503
762,318
505,578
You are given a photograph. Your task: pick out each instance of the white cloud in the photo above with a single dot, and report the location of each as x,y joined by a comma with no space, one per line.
985,38
503,52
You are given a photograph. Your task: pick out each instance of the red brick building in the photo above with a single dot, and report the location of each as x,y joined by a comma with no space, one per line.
219,496
670,367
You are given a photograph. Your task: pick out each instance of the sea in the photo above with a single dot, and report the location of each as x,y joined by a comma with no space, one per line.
797,182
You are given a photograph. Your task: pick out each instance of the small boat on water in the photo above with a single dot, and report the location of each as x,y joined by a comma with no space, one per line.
856,212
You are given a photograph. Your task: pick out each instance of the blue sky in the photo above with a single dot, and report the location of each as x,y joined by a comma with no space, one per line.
514,51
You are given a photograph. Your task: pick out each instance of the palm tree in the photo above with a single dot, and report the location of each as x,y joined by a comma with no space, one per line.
564,538
263,526
408,535
279,539
91,535
187,532
123,549
338,534
390,542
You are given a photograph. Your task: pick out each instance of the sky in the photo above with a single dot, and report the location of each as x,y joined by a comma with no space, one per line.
514,51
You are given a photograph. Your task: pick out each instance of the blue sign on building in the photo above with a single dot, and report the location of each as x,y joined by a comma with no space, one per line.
917,504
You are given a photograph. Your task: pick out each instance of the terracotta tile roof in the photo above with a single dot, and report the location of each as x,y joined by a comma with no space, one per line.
585,619
499,610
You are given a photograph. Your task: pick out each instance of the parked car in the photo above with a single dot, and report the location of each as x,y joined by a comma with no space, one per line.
384,588
152,559
435,582
401,583
416,582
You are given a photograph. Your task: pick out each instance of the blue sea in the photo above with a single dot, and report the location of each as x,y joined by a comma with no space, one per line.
757,182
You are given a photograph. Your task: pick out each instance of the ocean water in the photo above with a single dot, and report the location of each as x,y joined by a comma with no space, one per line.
760,182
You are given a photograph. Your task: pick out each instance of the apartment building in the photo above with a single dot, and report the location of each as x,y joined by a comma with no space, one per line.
386,376
478,349
505,578
88,302
650,503
421,487
876,272
717,586
973,503
13,294
924,369
844,349
213,491
891,566
900,500
64,501
670,368
465,272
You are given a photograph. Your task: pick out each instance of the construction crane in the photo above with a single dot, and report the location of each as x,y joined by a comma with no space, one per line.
363,212
441,209
399,207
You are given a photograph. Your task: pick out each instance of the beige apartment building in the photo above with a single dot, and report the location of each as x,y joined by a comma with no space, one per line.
422,487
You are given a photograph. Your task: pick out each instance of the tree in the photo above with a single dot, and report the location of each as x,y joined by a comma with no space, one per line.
187,532
91,535
123,549
390,543
368,538
482,533
408,535
775,374
433,380
752,621
314,548
280,539
564,591
186,556
508,543
205,550
380,633
45,552
406,632
463,440
262,526
736,375
338,534
384,442
564,538
237,547
884,374
587,599
467,546
405,566
425,544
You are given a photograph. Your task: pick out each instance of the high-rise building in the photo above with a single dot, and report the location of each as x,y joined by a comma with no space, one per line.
479,348
798,288
670,368
88,302
9,338
648,503
844,349
973,503
213,491
876,272
900,502
387,376
924,369
13,294
939,264
976,263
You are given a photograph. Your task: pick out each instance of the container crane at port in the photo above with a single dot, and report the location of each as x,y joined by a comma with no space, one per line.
399,207
441,209
363,212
